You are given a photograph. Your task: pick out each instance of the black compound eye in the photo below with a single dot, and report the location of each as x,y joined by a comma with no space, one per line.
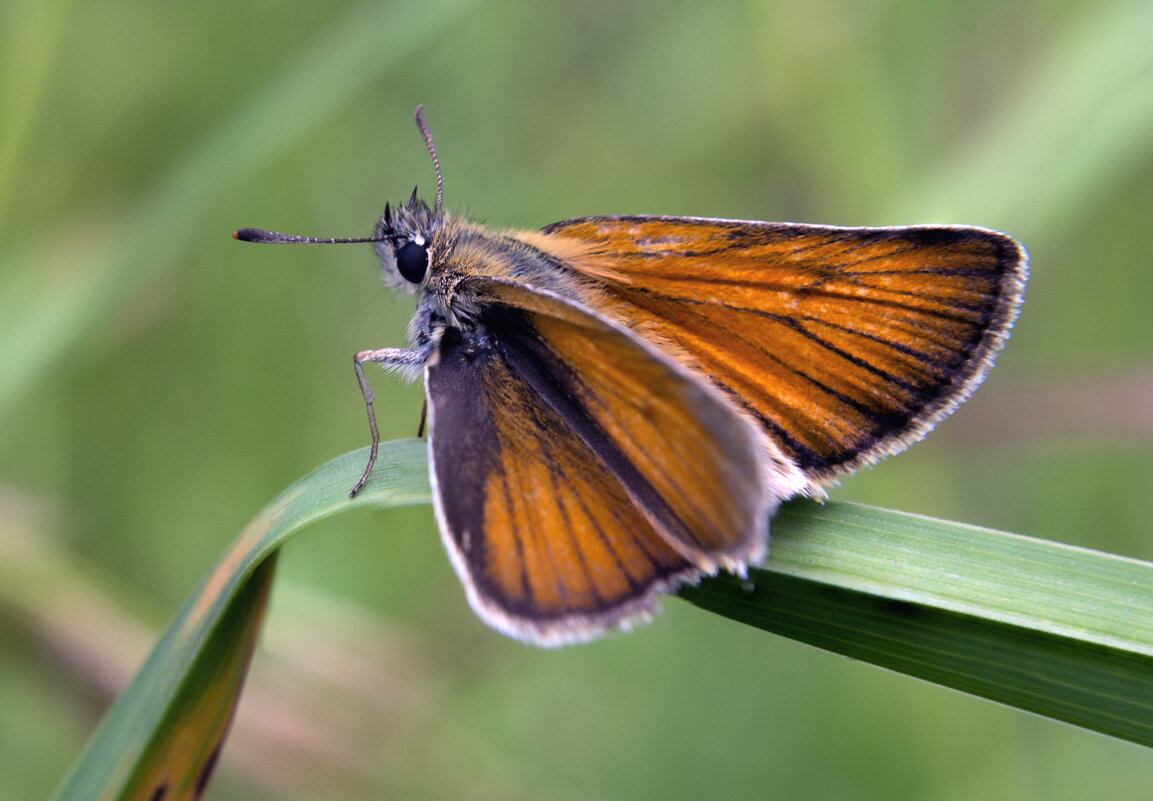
412,261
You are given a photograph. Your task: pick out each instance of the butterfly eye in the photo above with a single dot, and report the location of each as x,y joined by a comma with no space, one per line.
412,261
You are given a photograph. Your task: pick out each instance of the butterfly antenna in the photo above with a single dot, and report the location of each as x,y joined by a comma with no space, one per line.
422,123
260,235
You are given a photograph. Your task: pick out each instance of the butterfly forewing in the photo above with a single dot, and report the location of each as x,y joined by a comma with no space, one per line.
845,343
579,472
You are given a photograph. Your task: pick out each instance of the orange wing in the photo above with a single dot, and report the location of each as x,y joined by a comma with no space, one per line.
844,343
579,472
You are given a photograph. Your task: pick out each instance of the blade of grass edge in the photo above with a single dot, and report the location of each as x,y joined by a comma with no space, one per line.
174,706
1060,631
1107,690
178,762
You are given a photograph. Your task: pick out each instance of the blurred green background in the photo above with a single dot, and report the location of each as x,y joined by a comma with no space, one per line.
160,382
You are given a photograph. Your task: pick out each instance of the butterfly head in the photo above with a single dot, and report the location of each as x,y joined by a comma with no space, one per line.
405,242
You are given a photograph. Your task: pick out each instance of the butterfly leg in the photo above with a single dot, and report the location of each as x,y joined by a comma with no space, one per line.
396,358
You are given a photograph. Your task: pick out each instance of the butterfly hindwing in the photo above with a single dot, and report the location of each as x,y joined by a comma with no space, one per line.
579,472
844,343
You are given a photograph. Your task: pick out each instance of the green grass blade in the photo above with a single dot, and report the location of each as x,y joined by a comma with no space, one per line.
1109,690
1048,586
178,761
1060,631
1053,629
167,724
1049,628
1064,632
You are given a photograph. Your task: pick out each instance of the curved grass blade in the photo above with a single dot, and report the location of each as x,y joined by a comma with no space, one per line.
1061,631
1064,632
179,760
161,737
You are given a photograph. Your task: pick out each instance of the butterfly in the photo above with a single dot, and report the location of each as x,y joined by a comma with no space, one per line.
617,405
